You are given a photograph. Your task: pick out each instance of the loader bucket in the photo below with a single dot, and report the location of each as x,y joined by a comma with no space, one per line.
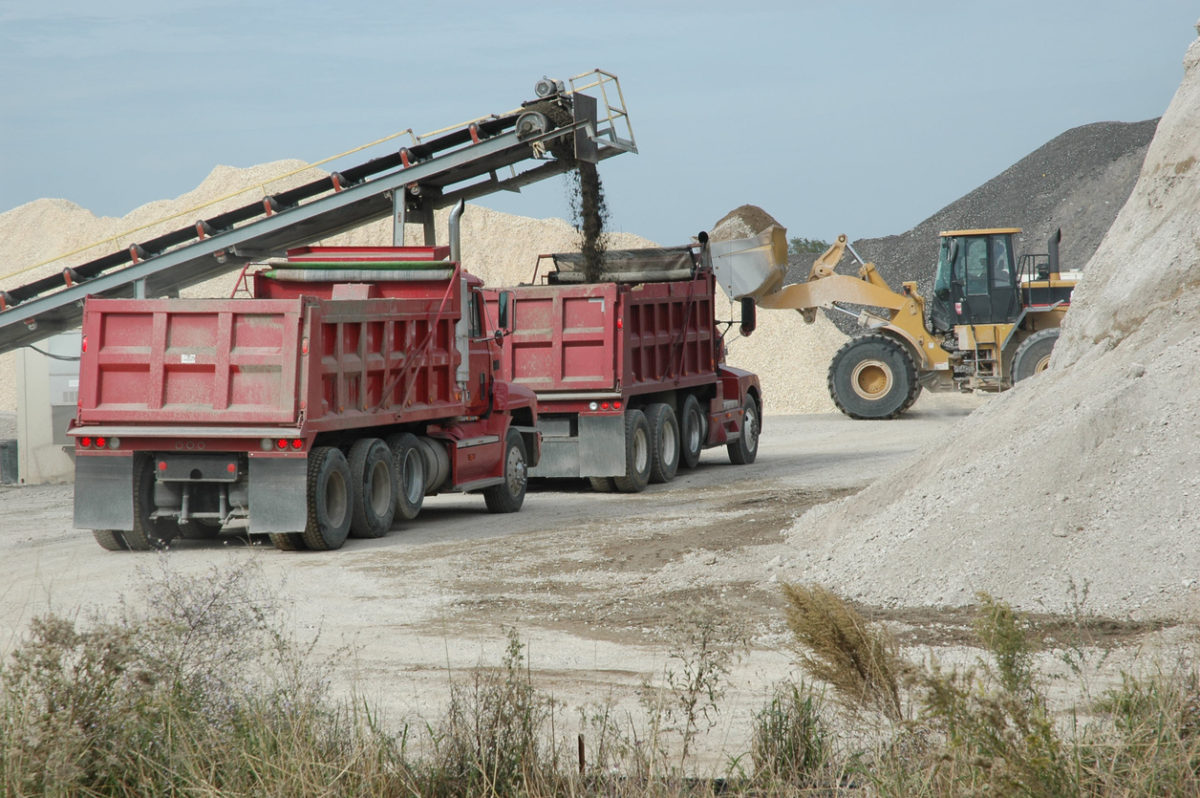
751,267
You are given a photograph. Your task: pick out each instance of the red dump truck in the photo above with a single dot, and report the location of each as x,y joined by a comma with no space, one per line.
352,384
629,371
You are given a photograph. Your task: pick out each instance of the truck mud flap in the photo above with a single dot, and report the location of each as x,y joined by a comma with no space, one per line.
278,494
104,492
597,451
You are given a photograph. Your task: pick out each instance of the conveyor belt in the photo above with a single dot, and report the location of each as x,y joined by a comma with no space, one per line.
554,131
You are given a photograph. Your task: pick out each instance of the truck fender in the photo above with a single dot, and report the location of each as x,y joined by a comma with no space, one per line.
519,403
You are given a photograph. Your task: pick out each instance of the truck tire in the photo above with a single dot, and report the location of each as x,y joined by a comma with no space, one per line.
288,541
1033,355
509,495
329,499
147,534
637,454
692,433
664,442
109,539
602,484
745,448
409,466
872,377
373,488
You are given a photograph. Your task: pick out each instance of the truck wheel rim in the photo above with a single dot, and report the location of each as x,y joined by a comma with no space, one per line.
337,502
514,471
871,379
666,443
412,476
641,451
693,432
381,488
750,429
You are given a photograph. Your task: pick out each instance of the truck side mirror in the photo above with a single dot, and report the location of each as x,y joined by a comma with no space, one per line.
502,309
749,315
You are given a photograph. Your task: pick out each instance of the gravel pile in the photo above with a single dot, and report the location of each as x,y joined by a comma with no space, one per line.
1082,480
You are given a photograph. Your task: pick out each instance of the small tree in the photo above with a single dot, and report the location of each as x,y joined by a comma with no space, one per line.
806,246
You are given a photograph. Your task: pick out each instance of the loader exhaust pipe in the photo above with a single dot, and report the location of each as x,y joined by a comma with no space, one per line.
1052,253
455,232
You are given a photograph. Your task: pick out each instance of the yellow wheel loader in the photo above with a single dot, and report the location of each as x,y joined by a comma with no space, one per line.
993,319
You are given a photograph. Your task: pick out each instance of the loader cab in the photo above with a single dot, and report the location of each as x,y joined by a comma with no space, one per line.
976,280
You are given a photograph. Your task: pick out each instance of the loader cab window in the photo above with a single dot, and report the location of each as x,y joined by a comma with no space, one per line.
976,264
975,281
1001,262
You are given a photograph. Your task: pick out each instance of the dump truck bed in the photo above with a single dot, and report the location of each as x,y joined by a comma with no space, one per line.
320,363
611,337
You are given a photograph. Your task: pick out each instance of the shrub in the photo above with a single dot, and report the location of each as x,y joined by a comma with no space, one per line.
791,745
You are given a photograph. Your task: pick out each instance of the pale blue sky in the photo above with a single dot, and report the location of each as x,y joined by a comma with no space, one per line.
856,117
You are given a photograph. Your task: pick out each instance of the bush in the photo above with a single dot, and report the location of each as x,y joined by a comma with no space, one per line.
791,746
197,693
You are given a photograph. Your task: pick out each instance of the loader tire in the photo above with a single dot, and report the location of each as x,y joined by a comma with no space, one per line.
692,432
329,499
148,533
664,442
372,488
745,448
637,454
509,495
873,377
1033,355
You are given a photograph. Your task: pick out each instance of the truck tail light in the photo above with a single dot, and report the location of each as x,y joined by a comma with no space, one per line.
604,405
281,443
297,443
88,442
83,344
616,405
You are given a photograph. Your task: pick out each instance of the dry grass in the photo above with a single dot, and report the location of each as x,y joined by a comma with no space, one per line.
837,646
200,693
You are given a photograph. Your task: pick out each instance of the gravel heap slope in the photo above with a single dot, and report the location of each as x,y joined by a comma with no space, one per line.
1082,479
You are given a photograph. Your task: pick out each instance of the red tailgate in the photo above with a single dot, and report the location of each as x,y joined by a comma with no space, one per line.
563,338
168,361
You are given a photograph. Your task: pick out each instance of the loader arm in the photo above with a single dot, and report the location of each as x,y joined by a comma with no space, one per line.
755,268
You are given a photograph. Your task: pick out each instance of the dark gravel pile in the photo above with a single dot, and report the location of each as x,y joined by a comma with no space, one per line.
1077,181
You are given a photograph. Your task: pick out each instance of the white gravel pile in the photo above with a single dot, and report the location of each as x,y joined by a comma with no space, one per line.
1085,478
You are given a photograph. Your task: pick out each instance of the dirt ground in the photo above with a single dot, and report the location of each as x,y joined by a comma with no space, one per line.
599,586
